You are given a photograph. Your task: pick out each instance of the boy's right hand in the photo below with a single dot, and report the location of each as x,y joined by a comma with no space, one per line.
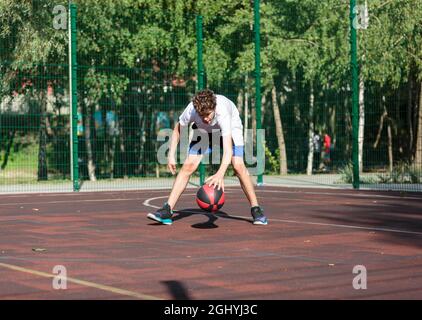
171,165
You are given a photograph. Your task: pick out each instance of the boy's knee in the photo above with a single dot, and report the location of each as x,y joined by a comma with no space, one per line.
189,168
239,168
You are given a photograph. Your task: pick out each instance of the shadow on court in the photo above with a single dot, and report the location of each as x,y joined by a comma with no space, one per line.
177,290
209,224
396,215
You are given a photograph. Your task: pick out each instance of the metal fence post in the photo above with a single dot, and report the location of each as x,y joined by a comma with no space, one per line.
199,42
355,94
258,104
73,99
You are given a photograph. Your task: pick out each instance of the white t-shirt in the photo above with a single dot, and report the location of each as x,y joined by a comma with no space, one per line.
226,119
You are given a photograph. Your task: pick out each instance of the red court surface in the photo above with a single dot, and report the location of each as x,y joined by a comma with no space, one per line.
110,250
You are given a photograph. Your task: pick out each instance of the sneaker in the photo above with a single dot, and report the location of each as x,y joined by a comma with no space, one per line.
258,216
162,215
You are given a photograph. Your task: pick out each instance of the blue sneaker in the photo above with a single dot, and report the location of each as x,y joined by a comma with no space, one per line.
258,216
163,215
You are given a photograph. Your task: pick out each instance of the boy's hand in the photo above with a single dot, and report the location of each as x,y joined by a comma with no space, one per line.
171,165
216,180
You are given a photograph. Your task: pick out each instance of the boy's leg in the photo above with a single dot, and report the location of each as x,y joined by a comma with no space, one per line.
245,180
164,215
182,179
322,161
248,188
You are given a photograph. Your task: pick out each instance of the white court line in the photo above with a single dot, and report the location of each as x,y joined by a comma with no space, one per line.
82,282
359,195
80,193
347,226
148,204
69,201
78,200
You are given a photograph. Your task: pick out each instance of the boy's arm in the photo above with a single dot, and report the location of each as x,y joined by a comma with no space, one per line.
171,161
184,120
218,179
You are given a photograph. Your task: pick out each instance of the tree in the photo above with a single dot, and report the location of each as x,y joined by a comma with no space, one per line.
392,47
27,46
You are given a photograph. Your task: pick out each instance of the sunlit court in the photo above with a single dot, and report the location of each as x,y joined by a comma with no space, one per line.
310,249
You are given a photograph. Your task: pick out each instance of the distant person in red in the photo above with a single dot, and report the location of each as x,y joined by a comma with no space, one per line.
326,151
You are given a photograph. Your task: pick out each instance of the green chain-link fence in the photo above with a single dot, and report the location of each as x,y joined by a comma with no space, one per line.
136,68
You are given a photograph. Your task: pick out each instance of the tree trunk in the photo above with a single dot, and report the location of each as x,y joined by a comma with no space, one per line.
409,112
361,121
246,116
122,148
239,102
311,130
104,166
332,121
390,148
348,129
381,126
112,132
42,151
253,112
142,127
389,136
88,144
418,154
298,123
112,156
415,115
8,148
279,132
385,117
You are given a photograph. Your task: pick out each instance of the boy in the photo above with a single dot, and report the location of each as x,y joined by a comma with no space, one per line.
209,112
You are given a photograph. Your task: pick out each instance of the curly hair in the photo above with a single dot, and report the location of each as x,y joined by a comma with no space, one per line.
204,102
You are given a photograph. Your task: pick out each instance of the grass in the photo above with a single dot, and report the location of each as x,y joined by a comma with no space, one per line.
22,163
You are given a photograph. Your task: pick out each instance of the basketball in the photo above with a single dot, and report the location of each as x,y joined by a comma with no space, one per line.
210,199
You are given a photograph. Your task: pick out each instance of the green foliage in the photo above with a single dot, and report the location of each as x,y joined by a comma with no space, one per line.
273,160
129,52
22,159
309,35
403,172
346,173
392,43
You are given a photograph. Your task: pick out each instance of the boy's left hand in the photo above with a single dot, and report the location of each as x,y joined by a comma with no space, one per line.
216,180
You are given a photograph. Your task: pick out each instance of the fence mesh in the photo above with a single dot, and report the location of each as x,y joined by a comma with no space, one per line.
137,71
